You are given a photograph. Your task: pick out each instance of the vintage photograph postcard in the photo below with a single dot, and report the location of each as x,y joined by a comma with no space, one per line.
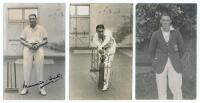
166,51
100,51
34,51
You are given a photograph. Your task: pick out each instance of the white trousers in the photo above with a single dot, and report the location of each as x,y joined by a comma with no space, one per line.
33,58
174,80
108,68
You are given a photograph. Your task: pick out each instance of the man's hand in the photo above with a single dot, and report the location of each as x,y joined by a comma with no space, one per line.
101,51
35,45
99,48
29,45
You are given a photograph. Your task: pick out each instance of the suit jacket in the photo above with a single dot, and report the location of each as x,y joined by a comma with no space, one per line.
160,50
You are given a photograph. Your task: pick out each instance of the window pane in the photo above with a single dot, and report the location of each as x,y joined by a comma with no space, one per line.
83,25
82,10
73,27
72,10
14,30
30,11
15,14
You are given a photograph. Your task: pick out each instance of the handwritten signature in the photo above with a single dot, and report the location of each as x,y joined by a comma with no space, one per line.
45,83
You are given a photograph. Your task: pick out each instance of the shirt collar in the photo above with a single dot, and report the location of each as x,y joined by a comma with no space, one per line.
35,28
171,28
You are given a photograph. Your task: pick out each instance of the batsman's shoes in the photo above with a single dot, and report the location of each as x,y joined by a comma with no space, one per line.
105,86
43,92
24,91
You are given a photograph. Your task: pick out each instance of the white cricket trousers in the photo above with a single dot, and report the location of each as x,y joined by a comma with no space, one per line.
174,80
33,59
108,68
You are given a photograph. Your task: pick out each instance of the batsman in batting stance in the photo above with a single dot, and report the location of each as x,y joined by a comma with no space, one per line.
106,45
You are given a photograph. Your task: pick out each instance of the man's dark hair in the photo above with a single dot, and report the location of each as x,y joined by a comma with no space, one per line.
165,14
100,26
33,15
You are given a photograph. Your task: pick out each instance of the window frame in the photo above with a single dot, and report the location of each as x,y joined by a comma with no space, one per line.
76,15
23,20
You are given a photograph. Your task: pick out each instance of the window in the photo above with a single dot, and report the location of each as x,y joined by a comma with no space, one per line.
15,14
82,10
79,10
72,10
79,25
20,14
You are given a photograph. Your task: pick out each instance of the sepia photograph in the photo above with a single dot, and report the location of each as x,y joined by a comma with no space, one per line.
34,51
100,56
166,51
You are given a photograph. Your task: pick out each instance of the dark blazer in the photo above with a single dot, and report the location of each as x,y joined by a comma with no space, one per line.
160,50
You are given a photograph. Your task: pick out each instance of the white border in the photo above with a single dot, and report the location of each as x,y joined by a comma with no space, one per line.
67,3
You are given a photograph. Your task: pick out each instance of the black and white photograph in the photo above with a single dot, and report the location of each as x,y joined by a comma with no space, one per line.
100,51
34,51
166,51
100,56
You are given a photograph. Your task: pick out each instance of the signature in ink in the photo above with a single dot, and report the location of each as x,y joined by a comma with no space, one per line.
52,79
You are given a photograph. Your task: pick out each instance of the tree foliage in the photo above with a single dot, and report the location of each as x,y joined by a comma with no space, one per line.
148,19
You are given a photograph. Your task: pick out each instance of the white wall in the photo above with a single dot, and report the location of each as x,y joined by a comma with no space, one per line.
113,16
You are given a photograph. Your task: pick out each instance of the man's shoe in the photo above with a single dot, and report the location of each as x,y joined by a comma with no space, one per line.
105,86
24,91
43,92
